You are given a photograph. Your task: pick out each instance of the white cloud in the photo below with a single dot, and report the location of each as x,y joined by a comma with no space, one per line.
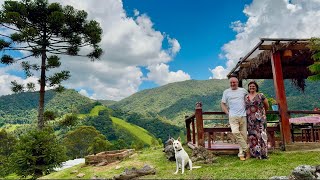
128,42
218,72
270,19
174,46
161,75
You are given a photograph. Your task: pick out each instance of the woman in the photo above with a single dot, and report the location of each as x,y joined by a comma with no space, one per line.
256,106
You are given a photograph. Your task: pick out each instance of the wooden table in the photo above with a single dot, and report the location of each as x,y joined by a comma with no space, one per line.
305,122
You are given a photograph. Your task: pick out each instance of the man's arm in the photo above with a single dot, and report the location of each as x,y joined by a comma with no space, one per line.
224,108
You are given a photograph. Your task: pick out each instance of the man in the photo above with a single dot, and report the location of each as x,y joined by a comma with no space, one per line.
232,103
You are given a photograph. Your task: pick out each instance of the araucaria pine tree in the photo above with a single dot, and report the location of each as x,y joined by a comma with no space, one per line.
43,30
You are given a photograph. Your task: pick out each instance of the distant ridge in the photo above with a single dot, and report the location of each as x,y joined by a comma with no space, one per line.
175,100
22,108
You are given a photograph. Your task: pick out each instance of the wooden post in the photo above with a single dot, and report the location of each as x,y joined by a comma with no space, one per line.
188,128
199,121
240,83
281,96
193,132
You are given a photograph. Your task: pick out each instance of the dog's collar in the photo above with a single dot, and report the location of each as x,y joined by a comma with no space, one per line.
179,149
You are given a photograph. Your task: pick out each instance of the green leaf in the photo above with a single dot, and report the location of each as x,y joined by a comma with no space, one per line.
53,62
316,56
315,68
57,78
95,54
26,67
4,44
93,32
15,87
6,59
17,37
314,77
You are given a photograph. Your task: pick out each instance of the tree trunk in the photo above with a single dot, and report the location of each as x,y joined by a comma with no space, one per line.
42,89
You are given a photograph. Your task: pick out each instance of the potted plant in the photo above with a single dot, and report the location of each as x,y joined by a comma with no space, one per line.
274,105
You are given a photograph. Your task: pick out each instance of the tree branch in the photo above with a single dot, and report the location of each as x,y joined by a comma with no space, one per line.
5,35
20,49
10,27
24,57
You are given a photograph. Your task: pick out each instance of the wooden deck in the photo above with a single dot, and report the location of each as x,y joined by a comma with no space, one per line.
220,147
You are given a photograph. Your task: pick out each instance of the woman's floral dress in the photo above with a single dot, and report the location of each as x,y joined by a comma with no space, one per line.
257,123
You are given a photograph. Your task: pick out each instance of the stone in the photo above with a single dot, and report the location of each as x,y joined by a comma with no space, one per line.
169,151
107,157
80,175
203,155
278,177
304,172
134,172
74,172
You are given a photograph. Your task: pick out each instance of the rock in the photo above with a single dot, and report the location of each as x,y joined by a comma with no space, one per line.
117,167
95,177
102,163
133,155
108,157
74,172
168,149
304,172
134,172
203,155
278,177
80,175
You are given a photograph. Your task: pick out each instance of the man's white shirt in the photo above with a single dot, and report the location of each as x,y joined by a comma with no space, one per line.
234,99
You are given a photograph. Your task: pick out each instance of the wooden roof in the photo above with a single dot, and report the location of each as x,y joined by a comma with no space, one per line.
257,63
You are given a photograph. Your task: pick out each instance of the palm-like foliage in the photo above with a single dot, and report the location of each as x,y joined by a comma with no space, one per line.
42,30
315,67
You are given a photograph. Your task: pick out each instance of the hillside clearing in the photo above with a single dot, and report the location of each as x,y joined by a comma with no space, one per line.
137,131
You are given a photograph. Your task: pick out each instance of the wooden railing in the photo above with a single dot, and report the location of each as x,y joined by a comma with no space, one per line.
196,132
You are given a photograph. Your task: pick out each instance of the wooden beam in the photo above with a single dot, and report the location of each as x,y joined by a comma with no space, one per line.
281,96
301,46
199,123
245,64
188,129
193,132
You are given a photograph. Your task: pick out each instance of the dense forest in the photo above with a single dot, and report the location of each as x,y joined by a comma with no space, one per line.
22,108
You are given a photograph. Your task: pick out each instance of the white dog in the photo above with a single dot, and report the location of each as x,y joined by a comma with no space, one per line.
182,158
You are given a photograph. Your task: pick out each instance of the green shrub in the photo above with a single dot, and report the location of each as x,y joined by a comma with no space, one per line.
7,143
37,153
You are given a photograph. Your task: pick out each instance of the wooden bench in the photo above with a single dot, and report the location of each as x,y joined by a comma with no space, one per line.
211,133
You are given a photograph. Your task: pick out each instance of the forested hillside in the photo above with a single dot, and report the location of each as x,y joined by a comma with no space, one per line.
22,108
297,100
174,101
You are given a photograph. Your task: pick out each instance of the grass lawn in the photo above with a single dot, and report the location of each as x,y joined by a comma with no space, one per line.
227,166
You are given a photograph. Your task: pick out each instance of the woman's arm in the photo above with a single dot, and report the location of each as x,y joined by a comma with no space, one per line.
266,104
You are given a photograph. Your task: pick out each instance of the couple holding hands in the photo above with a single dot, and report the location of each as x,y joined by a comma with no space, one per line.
247,117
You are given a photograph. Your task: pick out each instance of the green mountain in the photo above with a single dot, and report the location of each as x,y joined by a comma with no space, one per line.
116,128
296,99
107,102
174,101
22,108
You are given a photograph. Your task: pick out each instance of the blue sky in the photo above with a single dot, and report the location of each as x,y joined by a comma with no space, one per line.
202,27
150,43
